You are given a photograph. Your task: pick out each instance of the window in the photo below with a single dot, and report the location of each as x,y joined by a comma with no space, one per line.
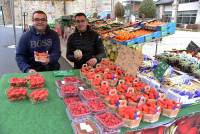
167,16
186,17
187,1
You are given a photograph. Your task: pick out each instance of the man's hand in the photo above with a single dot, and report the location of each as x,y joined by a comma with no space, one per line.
92,62
32,71
78,54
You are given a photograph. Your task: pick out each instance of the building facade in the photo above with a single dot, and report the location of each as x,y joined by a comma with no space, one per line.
181,12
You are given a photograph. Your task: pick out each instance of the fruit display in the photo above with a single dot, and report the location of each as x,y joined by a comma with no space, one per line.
131,116
16,94
90,75
182,60
71,79
123,35
68,90
78,110
111,49
18,82
155,23
89,94
112,101
39,95
169,107
96,82
151,111
97,106
109,121
122,87
151,93
35,80
103,89
133,98
86,126
41,56
71,100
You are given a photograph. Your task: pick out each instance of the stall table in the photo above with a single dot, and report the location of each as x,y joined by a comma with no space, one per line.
49,117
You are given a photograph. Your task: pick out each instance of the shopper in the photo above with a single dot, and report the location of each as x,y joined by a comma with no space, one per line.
39,39
84,45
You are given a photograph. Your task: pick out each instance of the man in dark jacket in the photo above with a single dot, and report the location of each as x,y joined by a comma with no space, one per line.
84,45
39,39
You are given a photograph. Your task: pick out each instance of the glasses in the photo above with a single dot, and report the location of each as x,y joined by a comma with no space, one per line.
42,19
80,21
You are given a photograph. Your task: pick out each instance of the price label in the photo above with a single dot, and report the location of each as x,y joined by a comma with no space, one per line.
81,88
122,103
142,101
130,90
160,70
121,81
112,92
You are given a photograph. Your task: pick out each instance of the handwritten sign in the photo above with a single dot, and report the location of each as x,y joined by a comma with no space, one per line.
130,59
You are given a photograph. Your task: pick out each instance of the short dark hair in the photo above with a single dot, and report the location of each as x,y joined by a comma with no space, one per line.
80,14
39,12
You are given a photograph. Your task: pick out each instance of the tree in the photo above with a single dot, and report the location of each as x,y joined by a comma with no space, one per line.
147,9
119,10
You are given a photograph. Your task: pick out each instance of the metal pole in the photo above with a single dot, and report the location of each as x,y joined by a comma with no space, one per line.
85,6
21,14
3,16
64,7
13,19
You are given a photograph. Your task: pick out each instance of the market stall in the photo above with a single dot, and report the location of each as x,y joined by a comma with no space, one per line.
139,94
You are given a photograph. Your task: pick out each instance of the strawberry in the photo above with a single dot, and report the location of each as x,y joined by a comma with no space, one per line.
15,94
89,94
109,120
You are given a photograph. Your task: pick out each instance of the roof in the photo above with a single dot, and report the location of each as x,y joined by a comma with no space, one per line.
162,2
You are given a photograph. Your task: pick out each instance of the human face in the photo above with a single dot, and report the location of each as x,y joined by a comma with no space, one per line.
81,23
39,22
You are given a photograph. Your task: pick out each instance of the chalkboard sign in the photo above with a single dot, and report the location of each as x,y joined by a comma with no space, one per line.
160,70
192,47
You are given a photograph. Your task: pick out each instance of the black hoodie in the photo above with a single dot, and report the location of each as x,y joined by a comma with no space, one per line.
89,42
32,41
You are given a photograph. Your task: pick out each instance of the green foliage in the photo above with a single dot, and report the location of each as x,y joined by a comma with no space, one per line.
119,10
147,9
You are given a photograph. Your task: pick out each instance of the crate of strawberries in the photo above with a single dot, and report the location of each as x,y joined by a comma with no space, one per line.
169,107
89,94
77,110
71,100
97,106
18,82
16,94
86,126
35,81
39,95
109,121
131,116
68,90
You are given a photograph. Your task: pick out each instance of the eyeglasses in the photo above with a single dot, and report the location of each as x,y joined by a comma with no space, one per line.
42,19
80,21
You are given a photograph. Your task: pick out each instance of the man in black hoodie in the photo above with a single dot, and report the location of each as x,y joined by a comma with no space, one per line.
39,39
84,45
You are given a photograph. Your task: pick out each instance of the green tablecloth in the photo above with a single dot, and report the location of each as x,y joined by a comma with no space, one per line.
50,117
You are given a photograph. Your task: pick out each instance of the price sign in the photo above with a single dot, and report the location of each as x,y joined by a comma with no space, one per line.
160,70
